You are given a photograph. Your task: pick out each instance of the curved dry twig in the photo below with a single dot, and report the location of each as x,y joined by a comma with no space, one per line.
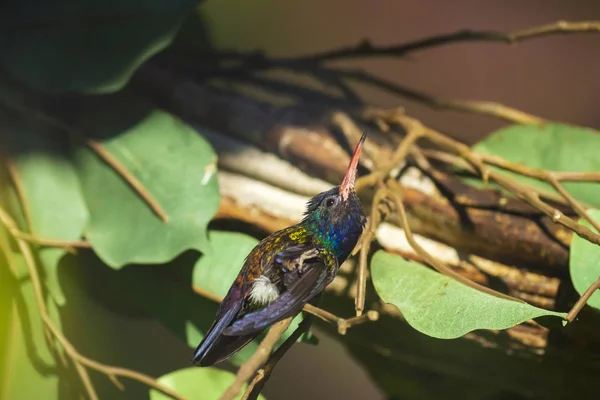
79,361
263,374
395,194
254,61
256,361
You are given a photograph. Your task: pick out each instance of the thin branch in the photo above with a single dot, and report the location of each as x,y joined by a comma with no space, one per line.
258,61
207,294
79,361
395,194
343,324
369,316
540,174
574,203
533,198
264,373
525,193
322,314
15,178
415,132
365,247
458,162
308,308
129,178
97,147
582,301
489,108
68,245
256,361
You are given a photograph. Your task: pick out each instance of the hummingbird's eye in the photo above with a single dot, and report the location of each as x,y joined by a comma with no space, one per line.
329,202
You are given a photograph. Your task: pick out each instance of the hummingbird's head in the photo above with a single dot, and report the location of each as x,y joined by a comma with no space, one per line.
336,215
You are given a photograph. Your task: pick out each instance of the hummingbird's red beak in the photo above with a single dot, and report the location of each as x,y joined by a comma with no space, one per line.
348,182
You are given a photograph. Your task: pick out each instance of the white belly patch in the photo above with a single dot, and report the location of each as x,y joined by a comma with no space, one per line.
263,291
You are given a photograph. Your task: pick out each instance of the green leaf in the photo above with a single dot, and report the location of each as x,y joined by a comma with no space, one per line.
555,147
51,189
197,383
66,45
173,162
439,306
584,262
216,270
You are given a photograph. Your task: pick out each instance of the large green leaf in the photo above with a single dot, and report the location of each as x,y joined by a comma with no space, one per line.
584,262
85,45
197,384
554,147
51,189
174,163
439,306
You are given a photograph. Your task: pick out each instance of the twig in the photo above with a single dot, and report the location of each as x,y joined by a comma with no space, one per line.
353,133
99,150
260,356
7,251
533,198
365,246
79,361
308,308
582,301
207,294
342,323
540,174
571,200
258,61
525,193
264,373
369,316
68,245
395,194
490,108
322,314
415,132
457,161
129,178
20,190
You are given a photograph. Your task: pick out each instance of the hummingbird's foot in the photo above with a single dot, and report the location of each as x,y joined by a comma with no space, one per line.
299,264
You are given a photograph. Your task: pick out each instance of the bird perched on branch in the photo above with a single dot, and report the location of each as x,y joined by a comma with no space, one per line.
287,269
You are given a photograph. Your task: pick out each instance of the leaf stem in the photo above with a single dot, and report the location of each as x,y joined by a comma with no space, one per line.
582,301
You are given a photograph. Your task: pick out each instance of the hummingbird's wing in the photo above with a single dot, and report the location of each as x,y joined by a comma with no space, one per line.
301,288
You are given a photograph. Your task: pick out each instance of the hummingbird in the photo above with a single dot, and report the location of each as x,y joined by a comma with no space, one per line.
287,269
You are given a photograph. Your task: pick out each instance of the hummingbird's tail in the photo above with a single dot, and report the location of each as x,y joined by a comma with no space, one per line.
216,347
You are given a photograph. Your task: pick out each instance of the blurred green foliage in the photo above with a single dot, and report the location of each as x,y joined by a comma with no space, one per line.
144,268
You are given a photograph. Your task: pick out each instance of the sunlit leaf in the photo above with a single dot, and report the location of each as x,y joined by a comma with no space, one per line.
554,147
66,45
216,270
51,189
173,162
197,384
439,306
584,262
